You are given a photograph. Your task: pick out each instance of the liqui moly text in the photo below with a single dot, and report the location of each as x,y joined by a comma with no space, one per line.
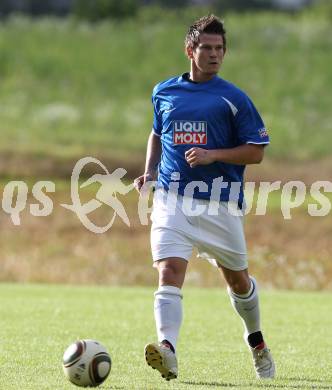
189,132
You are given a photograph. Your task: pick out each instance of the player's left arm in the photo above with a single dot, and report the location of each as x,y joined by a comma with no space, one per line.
251,134
239,155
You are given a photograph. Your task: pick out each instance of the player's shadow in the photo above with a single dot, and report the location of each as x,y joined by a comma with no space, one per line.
264,385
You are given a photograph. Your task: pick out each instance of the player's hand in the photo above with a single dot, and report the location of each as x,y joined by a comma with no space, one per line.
198,156
141,180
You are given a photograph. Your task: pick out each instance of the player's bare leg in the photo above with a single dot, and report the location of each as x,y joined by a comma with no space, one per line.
172,271
243,293
168,316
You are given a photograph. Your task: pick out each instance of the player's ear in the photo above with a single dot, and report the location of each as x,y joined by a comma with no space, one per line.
189,52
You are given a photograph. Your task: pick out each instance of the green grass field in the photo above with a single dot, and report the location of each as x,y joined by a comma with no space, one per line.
39,321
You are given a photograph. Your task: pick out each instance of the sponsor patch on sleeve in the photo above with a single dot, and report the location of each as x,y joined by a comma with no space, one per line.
263,132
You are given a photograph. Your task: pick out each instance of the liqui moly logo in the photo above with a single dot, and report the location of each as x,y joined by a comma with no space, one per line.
189,132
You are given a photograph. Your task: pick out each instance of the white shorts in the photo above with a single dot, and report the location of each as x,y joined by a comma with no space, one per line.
218,238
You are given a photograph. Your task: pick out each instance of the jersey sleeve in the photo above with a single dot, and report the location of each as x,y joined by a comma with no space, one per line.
249,124
157,121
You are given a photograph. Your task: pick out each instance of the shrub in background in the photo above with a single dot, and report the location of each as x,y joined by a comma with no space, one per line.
95,10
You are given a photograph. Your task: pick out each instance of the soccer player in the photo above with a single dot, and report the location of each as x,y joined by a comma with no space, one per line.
205,131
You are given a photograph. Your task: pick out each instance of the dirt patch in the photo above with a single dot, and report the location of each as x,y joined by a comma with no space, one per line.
306,171
293,254
39,166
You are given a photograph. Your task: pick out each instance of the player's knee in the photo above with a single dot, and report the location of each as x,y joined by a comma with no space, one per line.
240,285
171,274
167,276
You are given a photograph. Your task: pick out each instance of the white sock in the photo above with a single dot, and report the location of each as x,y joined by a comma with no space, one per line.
247,307
168,313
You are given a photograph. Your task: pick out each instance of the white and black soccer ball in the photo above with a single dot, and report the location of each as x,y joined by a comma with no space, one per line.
86,363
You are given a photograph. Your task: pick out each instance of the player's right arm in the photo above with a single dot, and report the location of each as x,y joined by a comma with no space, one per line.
153,154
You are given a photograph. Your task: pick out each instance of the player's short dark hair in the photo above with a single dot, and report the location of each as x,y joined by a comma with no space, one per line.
208,24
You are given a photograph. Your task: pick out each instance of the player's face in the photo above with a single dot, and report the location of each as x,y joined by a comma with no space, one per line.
209,53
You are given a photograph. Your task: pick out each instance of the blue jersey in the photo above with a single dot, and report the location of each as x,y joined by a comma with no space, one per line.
213,115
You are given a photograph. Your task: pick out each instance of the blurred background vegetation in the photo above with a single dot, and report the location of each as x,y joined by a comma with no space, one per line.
71,87
76,79
98,9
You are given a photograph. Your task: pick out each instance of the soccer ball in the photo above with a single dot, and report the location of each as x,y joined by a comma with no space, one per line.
86,363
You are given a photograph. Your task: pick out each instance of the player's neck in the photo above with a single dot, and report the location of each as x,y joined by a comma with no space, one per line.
199,77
